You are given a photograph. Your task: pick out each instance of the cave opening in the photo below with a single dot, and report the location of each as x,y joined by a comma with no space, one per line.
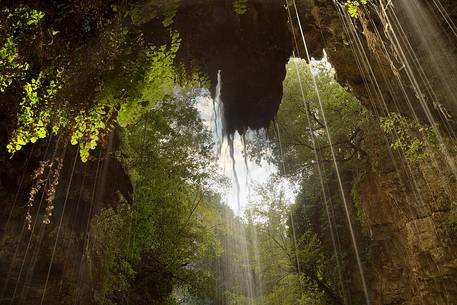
228,152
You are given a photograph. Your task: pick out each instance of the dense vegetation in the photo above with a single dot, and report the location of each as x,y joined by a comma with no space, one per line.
185,246
117,73
86,72
301,150
148,250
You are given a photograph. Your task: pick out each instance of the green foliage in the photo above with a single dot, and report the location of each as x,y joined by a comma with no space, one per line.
240,6
15,25
408,136
36,112
169,16
159,80
117,256
87,127
160,242
123,97
10,65
452,220
300,121
353,6
356,196
127,76
236,298
357,202
283,282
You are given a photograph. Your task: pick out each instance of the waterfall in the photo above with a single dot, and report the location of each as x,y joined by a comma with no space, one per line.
241,271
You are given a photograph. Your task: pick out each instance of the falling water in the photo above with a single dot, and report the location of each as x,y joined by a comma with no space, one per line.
246,165
220,138
59,229
241,270
423,50
431,47
335,163
257,266
426,55
444,14
218,115
409,23
230,139
330,219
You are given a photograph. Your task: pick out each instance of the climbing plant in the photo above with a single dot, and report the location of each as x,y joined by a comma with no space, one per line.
240,6
353,6
159,80
408,136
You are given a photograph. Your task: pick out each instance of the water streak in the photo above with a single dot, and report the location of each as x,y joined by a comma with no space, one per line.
230,139
218,114
335,163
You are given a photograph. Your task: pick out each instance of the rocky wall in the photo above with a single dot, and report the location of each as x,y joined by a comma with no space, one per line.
407,209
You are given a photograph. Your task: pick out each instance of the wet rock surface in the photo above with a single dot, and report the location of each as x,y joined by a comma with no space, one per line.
407,214
405,210
368,56
250,49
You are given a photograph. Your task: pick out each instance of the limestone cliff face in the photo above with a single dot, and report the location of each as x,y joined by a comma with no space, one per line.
395,56
406,210
405,207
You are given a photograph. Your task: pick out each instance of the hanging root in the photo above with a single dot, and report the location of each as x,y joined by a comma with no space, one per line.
52,171
51,192
36,187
